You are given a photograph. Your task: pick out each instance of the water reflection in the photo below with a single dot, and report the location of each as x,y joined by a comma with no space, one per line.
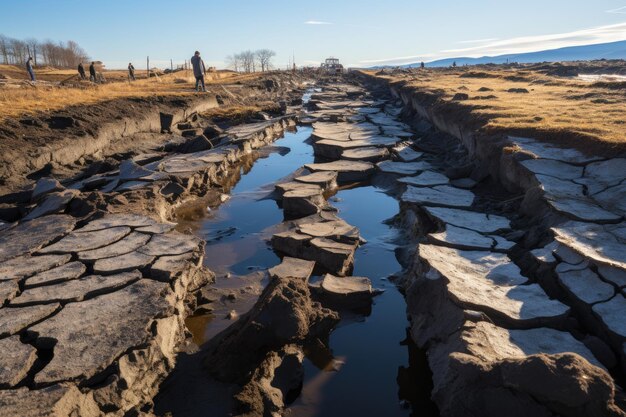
368,356
370,368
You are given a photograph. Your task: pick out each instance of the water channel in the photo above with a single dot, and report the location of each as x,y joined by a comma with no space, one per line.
371,371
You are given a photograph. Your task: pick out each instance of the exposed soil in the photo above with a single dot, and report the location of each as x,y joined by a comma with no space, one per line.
61,143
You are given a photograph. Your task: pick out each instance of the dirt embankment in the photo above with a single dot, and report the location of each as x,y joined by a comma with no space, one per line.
61,138
35,145
535,101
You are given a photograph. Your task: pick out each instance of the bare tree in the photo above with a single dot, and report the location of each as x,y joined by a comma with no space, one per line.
62,55
4,49
264,58
18,50
76,54
247,61
234,62
32,46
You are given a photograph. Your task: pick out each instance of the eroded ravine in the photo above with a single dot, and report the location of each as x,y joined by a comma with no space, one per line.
500,298
475,298
237,234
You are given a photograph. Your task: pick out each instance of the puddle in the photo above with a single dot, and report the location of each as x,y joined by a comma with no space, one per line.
197,325
369,358
236,233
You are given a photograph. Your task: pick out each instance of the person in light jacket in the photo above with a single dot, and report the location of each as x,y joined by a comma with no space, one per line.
198,70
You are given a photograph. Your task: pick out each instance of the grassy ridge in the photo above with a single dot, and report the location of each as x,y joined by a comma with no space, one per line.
19,98
525,102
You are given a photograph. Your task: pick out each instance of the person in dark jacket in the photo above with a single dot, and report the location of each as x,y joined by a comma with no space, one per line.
81,71
198,70
29,68
92,72
131,72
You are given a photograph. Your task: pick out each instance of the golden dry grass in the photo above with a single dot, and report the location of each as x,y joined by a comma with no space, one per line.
241,112
564,108
19,99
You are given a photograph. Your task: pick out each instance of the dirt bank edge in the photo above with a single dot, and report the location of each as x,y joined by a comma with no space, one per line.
106,123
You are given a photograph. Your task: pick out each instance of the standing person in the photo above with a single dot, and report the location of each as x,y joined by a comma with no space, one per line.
29,68
81,71
92,72
131,72
198,70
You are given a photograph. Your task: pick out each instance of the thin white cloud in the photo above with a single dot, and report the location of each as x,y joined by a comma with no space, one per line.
600,34
480,40
316,22
619,10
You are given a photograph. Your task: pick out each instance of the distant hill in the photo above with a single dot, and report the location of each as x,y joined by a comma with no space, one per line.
613,50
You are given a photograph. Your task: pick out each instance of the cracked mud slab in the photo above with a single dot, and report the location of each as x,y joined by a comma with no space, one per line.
441,196
83,241
347,170
425,179
29,236
601,243
586,285
490,282
403,168
117,220
293,268
170,244
128,244
480,222
118,321
16,360
27,265
14,320
56,275
126,262
74,290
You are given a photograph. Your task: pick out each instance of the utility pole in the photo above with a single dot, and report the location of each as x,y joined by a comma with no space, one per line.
148,67
171,65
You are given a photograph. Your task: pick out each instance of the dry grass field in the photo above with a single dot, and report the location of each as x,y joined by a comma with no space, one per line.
19,97
575,112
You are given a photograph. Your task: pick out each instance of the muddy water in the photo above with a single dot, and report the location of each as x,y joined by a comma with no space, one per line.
236,234
370,365
366,371
238,231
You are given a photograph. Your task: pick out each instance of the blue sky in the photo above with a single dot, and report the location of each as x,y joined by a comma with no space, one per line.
359,32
